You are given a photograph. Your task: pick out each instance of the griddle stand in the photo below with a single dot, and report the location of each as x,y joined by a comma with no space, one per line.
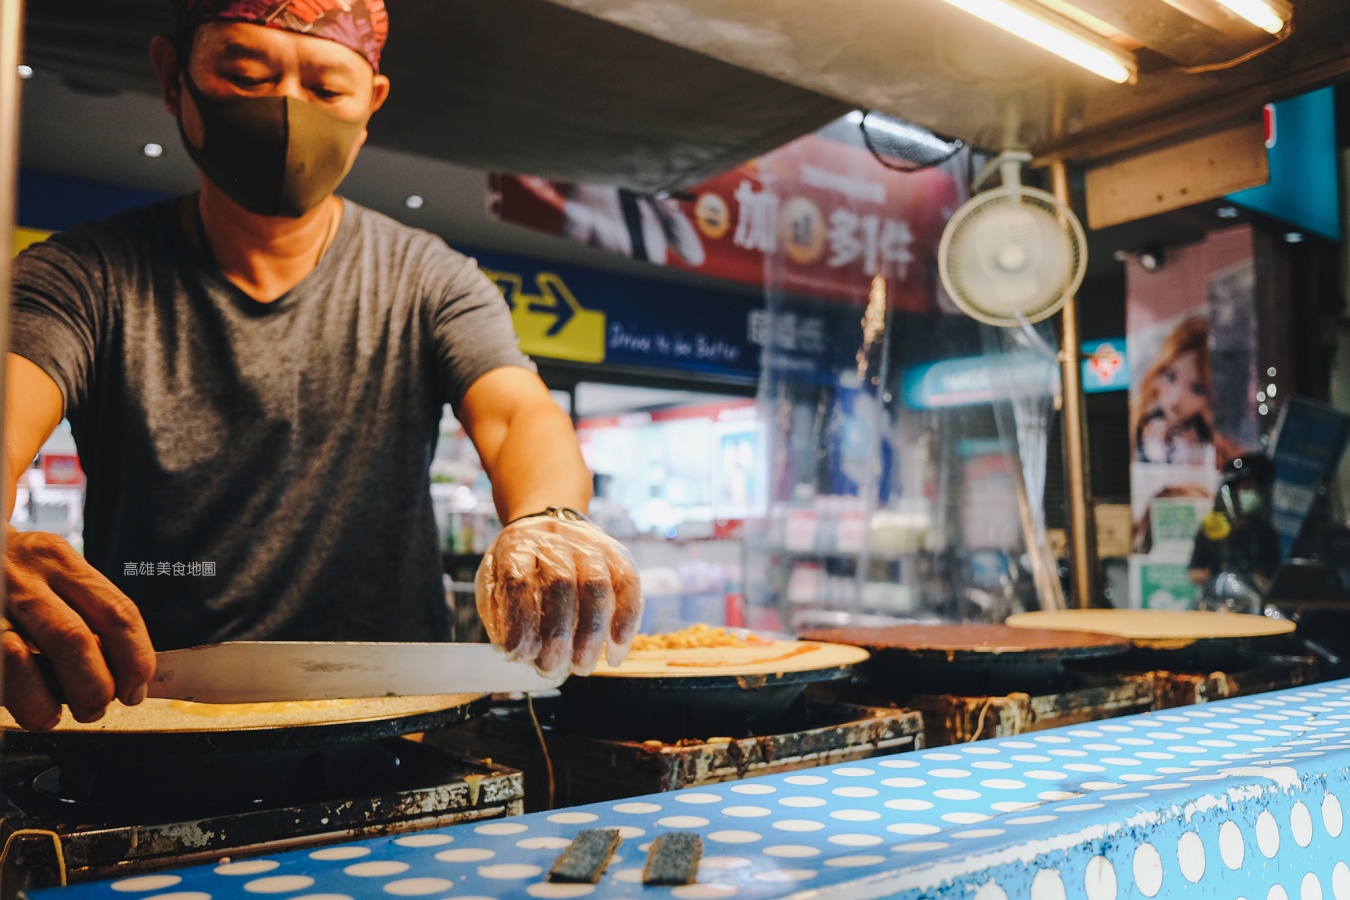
423,788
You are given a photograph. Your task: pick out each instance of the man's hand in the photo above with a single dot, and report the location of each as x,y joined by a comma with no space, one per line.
88,635
554,592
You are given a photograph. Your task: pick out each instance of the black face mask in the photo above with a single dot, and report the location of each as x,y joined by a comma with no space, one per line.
274,156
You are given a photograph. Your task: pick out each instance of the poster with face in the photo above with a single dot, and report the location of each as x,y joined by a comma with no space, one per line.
1191,331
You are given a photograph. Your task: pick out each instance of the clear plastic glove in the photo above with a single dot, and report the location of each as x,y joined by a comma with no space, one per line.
555,593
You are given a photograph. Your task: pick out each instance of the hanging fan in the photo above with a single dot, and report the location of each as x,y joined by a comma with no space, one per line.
1012,255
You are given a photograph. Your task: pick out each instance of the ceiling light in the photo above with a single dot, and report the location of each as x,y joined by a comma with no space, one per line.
414,202
1261,396
1271,371
1269,17
1271,389
1294,237
1056,34
1226,212
25,72
153,150
1263,409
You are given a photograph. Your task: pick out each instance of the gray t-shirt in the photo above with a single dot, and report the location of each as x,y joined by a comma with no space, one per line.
285,444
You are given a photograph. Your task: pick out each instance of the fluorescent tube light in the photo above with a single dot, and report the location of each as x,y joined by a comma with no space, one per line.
1260,13
1060,36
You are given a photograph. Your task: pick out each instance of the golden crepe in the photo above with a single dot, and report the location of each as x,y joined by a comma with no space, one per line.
770,658
179,715
1155,628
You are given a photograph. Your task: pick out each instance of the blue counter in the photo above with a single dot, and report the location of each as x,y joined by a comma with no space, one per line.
1239,798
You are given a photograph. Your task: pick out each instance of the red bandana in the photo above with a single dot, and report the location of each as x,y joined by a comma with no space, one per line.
362,25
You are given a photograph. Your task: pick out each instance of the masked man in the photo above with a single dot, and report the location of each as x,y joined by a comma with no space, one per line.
254,376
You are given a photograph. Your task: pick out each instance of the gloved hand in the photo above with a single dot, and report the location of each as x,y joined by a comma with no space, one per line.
553,592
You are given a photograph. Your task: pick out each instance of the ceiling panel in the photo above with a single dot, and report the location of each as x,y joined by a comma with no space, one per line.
930,63
517,85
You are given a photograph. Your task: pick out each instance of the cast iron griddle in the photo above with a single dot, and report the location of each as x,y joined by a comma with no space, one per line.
956,643
161,726
970,660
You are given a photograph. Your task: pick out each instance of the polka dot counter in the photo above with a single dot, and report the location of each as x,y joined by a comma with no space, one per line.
1241,798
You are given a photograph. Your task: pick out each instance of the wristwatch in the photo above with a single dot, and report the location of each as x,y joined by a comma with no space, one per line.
565,513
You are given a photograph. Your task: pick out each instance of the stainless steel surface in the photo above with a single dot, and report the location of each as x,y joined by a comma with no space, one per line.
929,63
1082,526
271,671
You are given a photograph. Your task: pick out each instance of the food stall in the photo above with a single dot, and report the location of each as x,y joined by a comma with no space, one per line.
1105,797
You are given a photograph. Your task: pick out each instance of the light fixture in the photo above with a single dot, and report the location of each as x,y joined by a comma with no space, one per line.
1294,237
906,139
414,201
1269,17
1060,36
1263,409
1271,371
1261,396
1271,389
1226,212
153,150
25,72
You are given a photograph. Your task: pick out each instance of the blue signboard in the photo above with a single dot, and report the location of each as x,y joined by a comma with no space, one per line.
1304,183
588,316
977,380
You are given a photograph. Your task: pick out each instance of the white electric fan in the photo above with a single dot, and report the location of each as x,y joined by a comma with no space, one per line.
1012,255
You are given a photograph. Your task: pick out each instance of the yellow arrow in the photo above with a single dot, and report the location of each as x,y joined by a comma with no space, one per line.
551,322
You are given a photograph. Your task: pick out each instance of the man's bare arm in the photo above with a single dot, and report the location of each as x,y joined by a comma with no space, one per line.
527,444
550,592
57,604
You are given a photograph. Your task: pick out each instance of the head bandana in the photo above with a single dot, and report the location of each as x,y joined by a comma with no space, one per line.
361,25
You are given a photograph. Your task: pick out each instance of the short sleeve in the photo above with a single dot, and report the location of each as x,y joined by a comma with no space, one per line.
471,326
58,292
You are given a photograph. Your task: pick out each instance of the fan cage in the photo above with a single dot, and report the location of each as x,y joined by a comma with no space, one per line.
970,212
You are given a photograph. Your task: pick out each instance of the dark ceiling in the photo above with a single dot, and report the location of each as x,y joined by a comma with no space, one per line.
514,85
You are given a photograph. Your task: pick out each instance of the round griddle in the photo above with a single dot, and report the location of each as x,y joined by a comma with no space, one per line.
175,726
969,659
1179,640
702,692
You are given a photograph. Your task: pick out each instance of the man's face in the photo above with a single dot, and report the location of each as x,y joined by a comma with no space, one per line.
236,59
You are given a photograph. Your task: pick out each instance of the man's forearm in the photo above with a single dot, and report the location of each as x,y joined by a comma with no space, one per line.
539,465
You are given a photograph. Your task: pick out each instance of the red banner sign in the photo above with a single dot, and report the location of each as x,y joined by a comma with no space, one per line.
817,217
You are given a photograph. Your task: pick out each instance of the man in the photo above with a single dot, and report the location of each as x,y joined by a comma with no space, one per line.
1238,537
254,376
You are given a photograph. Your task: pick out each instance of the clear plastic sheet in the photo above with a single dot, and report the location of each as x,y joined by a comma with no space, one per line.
907,442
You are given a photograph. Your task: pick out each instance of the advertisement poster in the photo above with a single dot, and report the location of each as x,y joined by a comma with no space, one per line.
1191,341
838,215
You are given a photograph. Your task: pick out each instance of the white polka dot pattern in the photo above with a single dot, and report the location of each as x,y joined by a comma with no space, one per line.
1207,800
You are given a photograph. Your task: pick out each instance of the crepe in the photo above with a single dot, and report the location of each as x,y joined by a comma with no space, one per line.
770,659
179,715
1156,628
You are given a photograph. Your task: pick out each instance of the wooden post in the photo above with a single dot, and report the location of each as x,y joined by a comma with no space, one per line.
1082,534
